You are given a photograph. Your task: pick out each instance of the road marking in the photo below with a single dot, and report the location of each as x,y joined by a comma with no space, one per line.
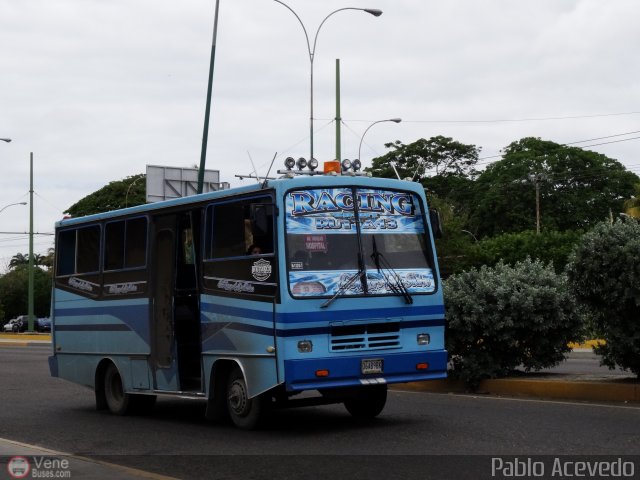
128,470
531,400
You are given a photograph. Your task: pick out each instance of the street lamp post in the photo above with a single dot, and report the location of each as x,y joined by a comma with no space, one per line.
11,204
312,53
394,120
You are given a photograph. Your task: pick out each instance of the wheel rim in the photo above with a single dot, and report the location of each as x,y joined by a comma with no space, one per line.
237,399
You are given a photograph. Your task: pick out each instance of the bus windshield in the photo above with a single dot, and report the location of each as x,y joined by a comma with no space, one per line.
356,241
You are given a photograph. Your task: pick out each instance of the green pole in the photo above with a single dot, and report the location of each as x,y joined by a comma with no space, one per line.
205,133
338,118
31,282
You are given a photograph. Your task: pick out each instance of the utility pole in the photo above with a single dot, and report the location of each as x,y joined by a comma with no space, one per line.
31,266
536,178
338,118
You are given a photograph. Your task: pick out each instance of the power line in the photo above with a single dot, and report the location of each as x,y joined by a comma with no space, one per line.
508,120
584,141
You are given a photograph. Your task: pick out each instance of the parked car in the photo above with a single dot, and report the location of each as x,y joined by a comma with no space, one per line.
43,324
11,325
39,324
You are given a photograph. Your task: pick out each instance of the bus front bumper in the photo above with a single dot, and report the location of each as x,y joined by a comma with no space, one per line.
332,372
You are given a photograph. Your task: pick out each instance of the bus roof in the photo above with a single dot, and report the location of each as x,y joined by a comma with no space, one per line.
299,181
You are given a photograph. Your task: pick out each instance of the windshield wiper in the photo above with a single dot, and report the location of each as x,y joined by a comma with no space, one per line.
344,287
382,264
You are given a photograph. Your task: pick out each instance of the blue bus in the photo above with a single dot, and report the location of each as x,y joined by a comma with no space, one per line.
247,297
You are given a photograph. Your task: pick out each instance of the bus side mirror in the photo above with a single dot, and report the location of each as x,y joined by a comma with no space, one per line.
436,224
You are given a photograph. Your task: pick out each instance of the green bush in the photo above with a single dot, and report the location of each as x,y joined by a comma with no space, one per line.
505,317
457,250
604,273
548,247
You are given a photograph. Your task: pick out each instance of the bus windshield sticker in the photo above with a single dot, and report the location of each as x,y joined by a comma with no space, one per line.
323,245
331,211
414,281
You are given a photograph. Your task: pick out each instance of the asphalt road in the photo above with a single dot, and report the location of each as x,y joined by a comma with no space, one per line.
585,362
417,432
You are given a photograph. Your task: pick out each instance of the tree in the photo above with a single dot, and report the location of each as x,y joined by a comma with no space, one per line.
438,156
455,249
604,272
20,259
578,188
14,287
117,194
445,168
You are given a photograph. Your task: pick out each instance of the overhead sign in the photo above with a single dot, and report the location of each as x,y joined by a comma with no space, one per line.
165,183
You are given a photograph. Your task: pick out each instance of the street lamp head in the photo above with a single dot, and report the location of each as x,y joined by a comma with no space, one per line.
5,139
11,205
373,11
395,120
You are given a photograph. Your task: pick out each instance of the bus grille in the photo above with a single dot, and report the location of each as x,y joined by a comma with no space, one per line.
375,336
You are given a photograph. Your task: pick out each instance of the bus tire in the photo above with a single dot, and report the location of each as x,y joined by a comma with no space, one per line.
367,402
118,401
244,412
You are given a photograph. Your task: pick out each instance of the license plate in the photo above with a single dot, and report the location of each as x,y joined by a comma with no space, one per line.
368,366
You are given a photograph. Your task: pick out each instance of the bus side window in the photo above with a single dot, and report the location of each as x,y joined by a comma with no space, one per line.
234,228
66,253
88,250
136,243
261,227
228,231
125,244
78,251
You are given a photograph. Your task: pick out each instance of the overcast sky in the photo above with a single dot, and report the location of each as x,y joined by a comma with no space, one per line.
98,89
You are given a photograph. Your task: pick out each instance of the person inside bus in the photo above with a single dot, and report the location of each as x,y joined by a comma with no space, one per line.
254,249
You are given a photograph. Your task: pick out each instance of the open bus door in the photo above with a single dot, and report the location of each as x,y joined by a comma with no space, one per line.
175,322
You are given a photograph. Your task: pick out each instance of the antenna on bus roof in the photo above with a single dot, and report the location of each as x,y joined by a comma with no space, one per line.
395,170
266,177
254,167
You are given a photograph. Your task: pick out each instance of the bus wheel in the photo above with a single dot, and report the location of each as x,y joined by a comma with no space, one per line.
117,400
245,412
368,402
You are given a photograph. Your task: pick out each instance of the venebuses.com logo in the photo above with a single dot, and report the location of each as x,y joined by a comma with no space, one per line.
38,467
18,467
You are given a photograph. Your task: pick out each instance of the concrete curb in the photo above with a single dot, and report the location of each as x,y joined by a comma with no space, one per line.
607,390
19,343
25,340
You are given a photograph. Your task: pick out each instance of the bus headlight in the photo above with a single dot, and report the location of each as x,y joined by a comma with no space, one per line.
305,346
424,339
313,164
346,164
